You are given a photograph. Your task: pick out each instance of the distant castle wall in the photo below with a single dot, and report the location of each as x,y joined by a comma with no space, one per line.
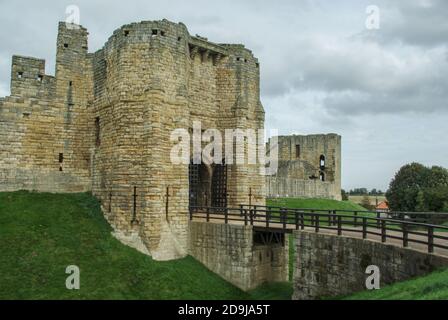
309,167
298,188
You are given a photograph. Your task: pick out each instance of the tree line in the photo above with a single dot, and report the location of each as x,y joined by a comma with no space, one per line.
361,192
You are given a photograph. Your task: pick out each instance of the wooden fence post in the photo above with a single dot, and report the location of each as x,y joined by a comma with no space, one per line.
430,239
285,217
339,225
268,216
404,227
364,227
378,222
302,221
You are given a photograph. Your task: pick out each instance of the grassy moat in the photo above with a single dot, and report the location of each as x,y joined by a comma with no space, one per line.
41,234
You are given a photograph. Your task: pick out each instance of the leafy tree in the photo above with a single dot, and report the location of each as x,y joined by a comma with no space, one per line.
418,188
421,206
436,199
405,186
437,177
344,195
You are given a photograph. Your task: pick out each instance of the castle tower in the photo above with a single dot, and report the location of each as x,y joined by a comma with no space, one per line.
104,123
74,97
309,167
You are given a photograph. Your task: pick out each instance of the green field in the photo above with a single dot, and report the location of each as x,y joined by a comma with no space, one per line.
431,287
322,204
372,199
41,234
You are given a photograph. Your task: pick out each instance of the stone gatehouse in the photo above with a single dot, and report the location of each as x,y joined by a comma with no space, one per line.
103,124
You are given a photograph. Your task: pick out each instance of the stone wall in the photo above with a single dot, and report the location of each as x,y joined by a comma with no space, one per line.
230,251
308,167
298,188
329,266
44,134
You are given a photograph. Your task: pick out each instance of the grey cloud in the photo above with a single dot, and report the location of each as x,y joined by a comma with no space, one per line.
414,22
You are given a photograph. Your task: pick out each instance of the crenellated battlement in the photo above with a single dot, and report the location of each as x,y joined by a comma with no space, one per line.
28,78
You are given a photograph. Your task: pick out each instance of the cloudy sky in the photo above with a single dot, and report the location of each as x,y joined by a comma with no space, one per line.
384,90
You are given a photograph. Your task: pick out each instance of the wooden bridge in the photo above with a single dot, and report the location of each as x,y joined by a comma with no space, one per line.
419,231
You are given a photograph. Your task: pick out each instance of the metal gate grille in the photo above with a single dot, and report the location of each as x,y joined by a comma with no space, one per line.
193,174
219,186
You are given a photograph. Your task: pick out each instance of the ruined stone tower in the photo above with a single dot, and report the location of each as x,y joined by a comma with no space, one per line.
103,124
309,167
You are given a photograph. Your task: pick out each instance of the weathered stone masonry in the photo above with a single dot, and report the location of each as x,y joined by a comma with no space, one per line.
230,251
103,123
329,266
308,167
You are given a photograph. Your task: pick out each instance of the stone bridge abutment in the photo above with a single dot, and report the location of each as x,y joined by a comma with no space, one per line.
328,266
236,253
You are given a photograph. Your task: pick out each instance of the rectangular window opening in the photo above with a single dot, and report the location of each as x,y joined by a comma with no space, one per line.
65,45
61,157
162,33
126,33
297,151
20,75
40,78
154,32
97,132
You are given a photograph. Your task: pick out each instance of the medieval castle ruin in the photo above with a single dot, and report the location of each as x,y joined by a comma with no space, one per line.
103,124
308,167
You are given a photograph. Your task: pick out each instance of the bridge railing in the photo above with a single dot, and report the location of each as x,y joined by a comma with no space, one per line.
424,217
286,219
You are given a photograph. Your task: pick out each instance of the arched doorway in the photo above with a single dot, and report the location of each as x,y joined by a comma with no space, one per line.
208,185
